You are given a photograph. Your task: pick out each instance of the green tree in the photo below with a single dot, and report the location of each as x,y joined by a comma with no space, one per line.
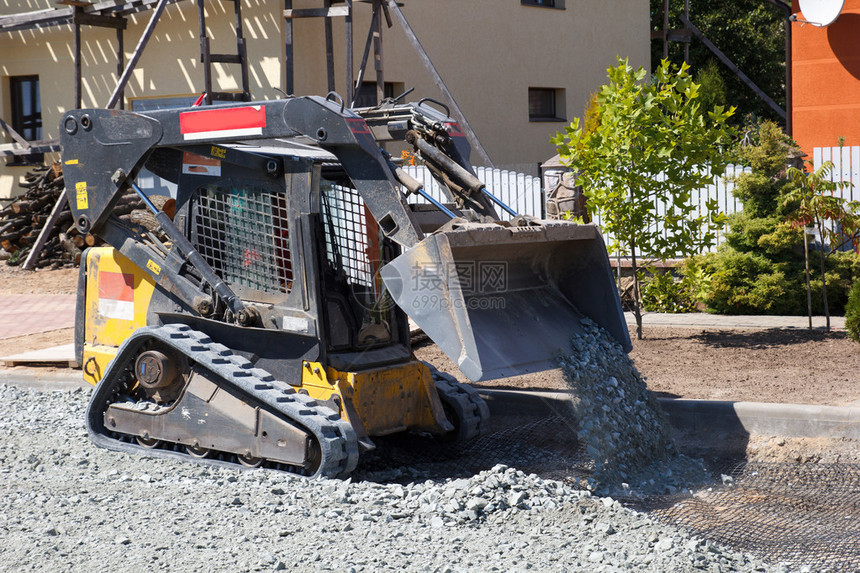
852,313
653,142
750,32
834,218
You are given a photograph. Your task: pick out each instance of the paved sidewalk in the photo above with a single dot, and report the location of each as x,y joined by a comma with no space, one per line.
33,313
717,321
22,314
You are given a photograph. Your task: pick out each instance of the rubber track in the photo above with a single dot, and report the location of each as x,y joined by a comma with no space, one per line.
336,438
466,401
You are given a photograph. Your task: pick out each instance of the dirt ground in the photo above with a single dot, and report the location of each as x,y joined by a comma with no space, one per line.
788,366
785,366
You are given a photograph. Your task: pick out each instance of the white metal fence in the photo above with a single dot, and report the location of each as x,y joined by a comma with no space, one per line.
521,192
846,167
721,190
524,194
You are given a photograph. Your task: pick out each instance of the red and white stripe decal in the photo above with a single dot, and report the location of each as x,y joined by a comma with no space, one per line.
454,130
116,295
358,126
223,122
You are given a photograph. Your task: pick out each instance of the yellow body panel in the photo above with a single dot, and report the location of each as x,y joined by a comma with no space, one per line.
382,400
96,359
117,299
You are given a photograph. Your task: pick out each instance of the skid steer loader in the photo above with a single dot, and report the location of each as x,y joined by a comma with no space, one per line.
263,319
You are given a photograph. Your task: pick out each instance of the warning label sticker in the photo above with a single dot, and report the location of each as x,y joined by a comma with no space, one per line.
193,164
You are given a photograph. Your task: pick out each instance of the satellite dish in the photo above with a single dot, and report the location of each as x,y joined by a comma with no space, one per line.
820,12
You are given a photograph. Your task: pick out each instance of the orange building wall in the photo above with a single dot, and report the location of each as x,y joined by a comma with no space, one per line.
826,80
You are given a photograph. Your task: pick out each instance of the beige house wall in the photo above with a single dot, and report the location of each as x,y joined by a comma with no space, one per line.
489,52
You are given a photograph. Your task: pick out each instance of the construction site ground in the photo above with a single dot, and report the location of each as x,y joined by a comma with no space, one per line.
786,499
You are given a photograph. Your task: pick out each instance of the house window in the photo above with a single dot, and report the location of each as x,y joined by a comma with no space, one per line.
26,108
546,104
26,114
544,3
366,94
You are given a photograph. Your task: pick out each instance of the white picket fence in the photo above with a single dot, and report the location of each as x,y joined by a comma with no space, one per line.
720,190
846,167
523,193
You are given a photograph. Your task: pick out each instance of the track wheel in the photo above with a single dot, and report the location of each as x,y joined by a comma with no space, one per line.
197,451
147,442
463,407
250,461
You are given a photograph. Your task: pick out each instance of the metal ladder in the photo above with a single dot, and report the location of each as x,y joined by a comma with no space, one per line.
330,9
208,58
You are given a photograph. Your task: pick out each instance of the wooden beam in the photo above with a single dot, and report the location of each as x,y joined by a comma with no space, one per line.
682,35
437,79
15,135
33,19
665,33
122,6
330,12
61,16
33,257
120,63
116,22
15,149
377,59
731,65
687,44
144,39
77,63
80,3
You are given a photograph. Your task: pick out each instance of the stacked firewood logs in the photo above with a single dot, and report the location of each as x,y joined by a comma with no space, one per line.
22,221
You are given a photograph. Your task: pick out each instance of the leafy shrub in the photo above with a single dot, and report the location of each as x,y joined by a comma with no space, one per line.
680,290
753,283
662,292
852,313
747,283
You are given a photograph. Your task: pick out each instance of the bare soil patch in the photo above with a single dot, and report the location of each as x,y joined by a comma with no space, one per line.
776,365
13,280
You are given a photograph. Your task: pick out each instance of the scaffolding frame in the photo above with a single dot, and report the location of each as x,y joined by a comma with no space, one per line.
112,14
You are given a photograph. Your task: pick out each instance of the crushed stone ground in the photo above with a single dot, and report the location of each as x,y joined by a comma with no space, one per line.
66,505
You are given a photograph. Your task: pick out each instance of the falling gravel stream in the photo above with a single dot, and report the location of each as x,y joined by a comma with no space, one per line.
625,431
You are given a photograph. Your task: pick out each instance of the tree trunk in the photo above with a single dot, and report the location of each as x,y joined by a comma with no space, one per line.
808,287
637,303
823,278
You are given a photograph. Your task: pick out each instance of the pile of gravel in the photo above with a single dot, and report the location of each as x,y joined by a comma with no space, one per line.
67,505
626,432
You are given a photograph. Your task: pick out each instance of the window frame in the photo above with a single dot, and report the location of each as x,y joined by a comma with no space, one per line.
550,4
391,90
558,112
18,121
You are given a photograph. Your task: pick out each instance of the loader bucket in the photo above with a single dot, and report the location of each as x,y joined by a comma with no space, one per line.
504,301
